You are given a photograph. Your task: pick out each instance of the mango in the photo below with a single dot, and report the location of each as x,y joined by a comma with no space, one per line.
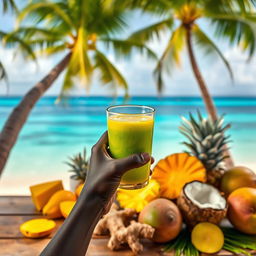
79,189
207,237
37,228
52,208
242,210
237,177
66,207
42,192
164,216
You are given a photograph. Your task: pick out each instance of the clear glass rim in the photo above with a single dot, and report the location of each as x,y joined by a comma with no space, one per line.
111,108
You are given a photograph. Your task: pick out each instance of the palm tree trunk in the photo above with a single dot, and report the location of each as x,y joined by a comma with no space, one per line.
211,109
19,115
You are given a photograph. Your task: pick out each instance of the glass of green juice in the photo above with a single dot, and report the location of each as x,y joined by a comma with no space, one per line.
130,131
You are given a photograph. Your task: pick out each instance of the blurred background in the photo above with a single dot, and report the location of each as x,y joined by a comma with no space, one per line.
113,52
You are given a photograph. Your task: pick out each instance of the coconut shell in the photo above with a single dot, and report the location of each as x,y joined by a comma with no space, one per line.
193,214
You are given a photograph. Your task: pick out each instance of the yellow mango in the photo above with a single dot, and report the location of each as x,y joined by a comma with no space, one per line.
66,207
42,192
79,189
52,208
37,228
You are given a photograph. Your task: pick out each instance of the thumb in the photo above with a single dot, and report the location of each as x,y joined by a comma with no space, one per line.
130,162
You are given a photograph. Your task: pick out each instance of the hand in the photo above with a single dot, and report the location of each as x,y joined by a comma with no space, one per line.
105,173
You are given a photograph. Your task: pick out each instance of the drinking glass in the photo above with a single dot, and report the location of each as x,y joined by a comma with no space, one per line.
130,131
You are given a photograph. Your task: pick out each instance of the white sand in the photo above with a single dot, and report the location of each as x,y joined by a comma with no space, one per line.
20,185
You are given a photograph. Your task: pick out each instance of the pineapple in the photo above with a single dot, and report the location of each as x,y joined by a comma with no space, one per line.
208,143
79,166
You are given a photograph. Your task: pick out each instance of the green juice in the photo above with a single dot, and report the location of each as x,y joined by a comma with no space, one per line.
128,135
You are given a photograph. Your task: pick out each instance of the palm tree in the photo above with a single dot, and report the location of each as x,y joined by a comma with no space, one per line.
10,6
233,20
78,29
7,5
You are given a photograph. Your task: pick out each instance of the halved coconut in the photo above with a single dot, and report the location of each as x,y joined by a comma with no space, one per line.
201,202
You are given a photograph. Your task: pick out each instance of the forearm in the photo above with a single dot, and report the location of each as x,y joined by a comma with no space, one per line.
75,234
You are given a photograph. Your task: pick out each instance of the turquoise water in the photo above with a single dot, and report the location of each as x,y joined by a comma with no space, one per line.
54,132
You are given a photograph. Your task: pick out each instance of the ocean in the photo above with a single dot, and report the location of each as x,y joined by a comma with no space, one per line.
55,132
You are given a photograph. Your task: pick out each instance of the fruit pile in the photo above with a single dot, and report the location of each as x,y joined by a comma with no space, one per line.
54,202
190,193
188,196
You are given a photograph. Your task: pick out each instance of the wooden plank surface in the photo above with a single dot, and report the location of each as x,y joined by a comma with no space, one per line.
17,205
9,225
14,210
97,247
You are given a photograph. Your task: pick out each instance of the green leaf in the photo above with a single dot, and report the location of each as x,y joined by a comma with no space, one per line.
80,65
125,48
210,47
12,39
54,49
4,76
238,28
48,9
170,56
109,74
9,5
182,245
154,30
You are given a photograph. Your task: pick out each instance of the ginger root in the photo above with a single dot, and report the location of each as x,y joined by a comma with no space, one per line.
131,235
115,222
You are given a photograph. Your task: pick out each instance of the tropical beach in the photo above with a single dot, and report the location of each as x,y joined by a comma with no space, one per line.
53,133
127,127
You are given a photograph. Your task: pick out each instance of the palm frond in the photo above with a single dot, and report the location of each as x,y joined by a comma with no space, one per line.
228,6
9,5
170,56
209,46
3,74
13,40
37,32
43,10
54,49
159,7
126,47
109,74
79,65
145,34
239,29
108,22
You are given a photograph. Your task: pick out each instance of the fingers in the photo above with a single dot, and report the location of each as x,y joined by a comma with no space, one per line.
130,162
103,140
101,143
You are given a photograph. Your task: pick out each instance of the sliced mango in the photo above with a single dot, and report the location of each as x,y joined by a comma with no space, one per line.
207,237
52,208
79,189
37,228
66,207
41,193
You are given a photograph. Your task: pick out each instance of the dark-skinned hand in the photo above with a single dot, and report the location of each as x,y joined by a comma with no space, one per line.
105,172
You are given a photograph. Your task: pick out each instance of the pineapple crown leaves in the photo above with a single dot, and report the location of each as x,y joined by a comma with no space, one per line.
79,165
206,139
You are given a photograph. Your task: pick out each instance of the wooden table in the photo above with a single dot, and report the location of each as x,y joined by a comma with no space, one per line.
14,210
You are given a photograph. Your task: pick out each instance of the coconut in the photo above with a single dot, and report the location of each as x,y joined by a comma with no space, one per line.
201,202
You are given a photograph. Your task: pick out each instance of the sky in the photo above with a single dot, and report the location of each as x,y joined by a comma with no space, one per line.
138,69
